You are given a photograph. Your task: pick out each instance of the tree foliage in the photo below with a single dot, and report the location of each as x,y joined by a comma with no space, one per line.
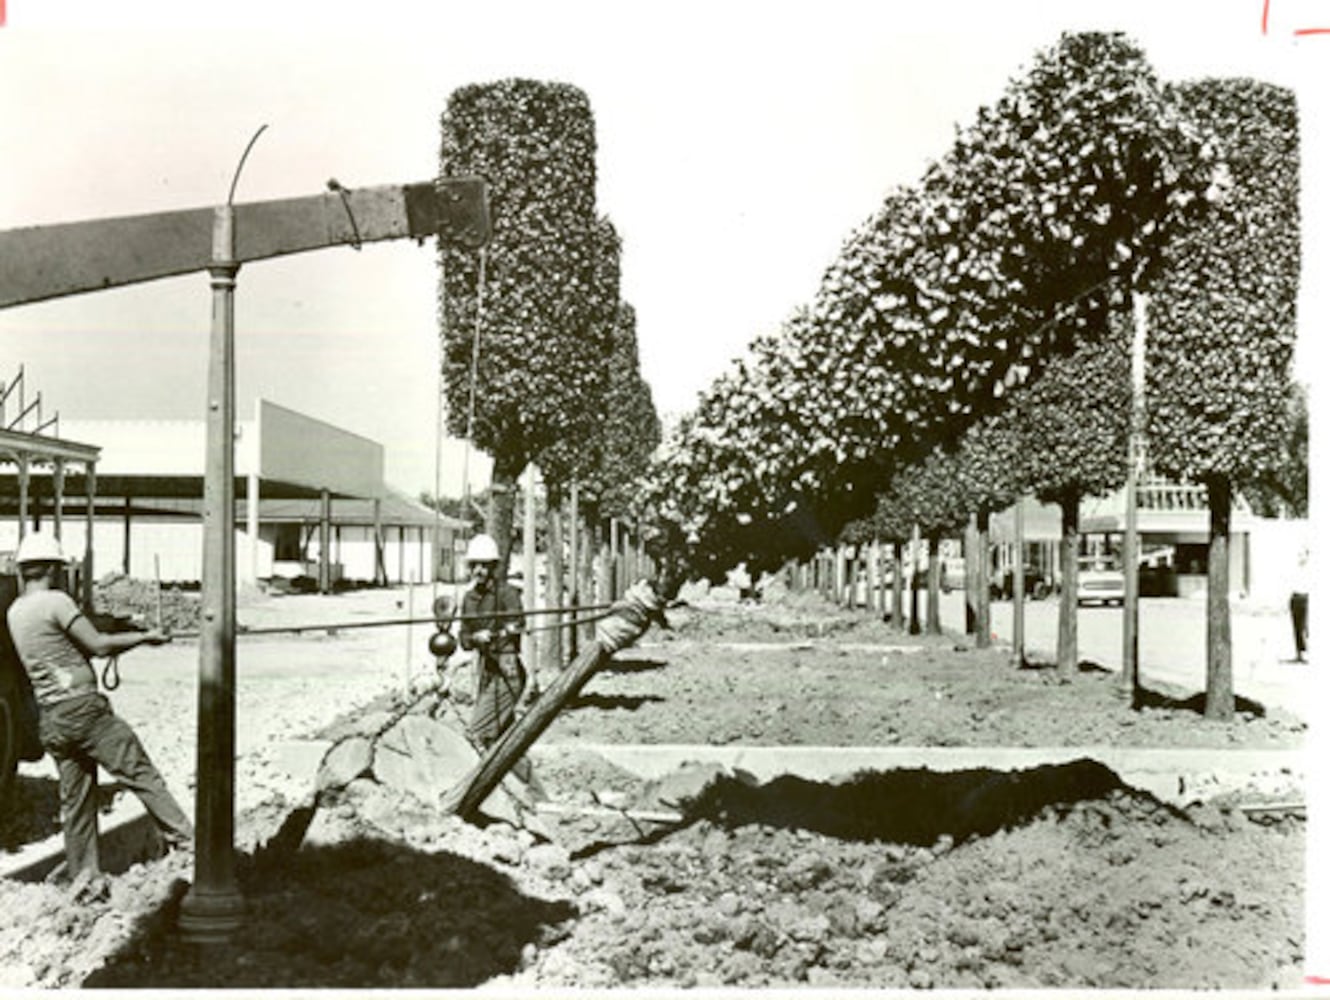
941,302
629,428
577,453
539,350
1222,317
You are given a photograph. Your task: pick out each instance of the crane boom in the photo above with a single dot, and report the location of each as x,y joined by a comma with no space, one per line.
46,262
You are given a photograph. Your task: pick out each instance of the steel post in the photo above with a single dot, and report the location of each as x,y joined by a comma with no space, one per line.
213,908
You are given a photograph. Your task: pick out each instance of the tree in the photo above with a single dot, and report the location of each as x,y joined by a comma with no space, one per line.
987,476
1222,326
1282,491
937,306
536,349
1071,425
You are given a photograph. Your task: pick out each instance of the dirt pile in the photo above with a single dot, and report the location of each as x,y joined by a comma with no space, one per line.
146,604
1087,884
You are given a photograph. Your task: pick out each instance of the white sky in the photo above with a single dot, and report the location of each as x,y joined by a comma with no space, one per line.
739,143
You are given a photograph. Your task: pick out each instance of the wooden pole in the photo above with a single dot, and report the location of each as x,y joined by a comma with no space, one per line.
529,597
325,541
88,567
574,564
1018,589
1129,681
213,907
58,488
897,584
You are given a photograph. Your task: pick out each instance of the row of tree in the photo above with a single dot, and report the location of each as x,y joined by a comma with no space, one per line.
972,342
540,353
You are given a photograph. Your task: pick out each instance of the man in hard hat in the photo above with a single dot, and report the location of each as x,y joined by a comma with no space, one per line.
492,626
54,640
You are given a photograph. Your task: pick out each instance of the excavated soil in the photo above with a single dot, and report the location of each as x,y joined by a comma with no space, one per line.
1057,876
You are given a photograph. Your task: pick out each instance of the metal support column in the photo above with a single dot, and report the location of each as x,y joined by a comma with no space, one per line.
213,908
88,567
58,499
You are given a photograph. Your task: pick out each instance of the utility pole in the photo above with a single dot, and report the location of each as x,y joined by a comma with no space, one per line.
213,908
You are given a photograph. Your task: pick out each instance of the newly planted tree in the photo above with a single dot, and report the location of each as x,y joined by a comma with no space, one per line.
1071,426
521,357
1223,324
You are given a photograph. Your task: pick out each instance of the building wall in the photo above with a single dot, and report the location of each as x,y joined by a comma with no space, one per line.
174,548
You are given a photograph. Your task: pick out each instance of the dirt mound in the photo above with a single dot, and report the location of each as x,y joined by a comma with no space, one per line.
144,602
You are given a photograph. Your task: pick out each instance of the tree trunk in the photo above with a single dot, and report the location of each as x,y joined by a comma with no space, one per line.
935,585
499,519
554,596
1067,653
1018,589
587,573
971,577
915,545
897,584
576,542
1218,638
983,631
605,567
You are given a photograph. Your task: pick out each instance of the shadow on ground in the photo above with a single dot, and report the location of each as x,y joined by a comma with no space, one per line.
913,806
632,666
29,812
611,702
1147,698
1084,666
365,914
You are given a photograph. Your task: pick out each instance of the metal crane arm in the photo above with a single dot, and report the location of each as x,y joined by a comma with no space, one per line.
46,262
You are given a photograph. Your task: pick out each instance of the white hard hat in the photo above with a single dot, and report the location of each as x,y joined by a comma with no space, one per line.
38,547
482,548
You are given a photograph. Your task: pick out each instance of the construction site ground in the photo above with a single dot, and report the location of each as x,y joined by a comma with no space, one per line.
715,817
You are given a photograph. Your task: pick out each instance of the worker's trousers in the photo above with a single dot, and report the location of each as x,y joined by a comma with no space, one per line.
82,732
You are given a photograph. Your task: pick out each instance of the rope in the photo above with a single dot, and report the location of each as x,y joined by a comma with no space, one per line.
389,622
111,672
471,387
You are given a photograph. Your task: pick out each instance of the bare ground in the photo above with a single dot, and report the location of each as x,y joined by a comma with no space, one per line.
1053,877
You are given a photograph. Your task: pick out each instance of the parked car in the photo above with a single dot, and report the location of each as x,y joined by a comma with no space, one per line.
1099,581
1036,587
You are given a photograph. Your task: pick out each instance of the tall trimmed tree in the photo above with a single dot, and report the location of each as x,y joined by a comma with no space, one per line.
1223,324
526,329
1071,425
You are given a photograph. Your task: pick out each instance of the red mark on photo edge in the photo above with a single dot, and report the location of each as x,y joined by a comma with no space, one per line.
1265,24
1316,980
2,13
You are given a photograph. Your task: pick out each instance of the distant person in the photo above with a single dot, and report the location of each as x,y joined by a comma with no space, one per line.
77,727
1297,605
491,624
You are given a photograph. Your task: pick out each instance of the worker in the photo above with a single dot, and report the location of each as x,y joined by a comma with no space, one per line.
491,625
54,640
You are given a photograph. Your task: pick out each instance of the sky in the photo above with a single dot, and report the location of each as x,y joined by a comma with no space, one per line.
738,146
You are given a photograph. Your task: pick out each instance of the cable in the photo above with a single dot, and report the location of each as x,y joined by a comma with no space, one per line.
471,387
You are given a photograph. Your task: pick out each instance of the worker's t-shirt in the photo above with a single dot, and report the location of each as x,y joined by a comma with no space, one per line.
39,625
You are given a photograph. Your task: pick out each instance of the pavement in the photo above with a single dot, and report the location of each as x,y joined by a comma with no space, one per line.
1172,646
